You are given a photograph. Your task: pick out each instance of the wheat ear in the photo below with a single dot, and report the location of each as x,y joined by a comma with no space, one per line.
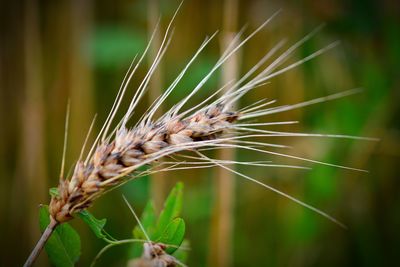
117,155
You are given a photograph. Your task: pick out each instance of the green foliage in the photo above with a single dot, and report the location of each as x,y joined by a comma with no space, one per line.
173,234
64,245
148,220
95,224
168,229
172,208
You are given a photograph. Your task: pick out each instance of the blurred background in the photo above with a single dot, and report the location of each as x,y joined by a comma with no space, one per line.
52,51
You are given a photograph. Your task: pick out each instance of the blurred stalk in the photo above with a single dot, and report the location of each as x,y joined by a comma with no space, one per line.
3,135
158,180
221,245
31,179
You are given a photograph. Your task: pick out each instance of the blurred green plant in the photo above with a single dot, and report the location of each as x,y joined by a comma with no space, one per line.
168,228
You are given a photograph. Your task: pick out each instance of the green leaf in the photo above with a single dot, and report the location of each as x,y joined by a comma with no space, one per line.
64,245
148,220
173,235
168,229
172,209
54,192
95,224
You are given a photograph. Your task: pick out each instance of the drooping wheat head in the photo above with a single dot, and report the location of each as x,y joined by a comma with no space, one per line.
117,155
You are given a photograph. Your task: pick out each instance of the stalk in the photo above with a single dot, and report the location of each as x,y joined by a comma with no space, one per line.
221,248
158,181
42,241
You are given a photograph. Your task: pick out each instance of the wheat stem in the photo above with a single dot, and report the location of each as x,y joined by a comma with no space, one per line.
42,241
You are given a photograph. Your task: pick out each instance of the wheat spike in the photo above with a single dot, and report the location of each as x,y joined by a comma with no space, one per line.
130,149
116,157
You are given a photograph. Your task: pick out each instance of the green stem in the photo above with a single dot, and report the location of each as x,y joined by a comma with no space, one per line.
42,241
112,244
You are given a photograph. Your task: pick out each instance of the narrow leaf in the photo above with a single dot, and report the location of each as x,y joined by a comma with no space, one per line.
95,224
64,245
148,220
172,208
